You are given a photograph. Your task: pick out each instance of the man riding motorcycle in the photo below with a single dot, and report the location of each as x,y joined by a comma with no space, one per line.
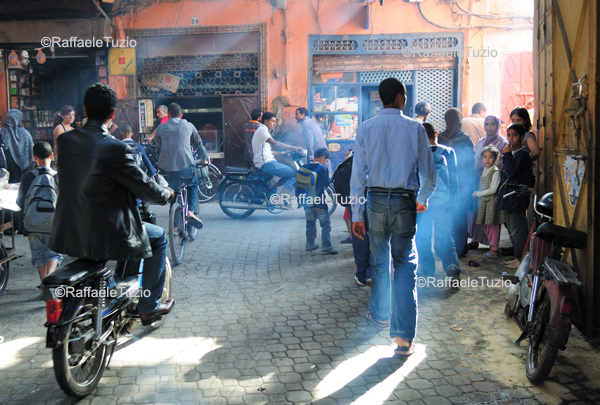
96,213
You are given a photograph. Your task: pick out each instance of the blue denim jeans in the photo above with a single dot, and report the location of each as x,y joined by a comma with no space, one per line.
187,176
280,170
322,214
153,276
362,255
434,223
392,224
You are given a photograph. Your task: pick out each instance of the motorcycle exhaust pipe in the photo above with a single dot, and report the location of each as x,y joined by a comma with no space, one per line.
243,205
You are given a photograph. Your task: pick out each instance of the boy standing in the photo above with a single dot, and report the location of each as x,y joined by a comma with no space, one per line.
41,256
517,170
319,210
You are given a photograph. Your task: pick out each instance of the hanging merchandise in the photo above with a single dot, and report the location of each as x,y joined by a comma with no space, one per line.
13,59
41,57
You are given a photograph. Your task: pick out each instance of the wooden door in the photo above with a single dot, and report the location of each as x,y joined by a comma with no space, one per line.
574,161
127,114
236,112
517,82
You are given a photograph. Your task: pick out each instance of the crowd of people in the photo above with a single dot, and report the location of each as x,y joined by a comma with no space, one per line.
412,179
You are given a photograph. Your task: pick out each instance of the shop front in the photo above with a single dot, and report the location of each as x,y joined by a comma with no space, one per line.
346,71
41,82
214,77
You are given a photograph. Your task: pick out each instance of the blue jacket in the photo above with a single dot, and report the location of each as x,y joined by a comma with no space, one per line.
517,170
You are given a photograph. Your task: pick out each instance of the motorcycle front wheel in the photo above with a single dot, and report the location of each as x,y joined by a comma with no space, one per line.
4,269
235,193
176,234
540,354
77,365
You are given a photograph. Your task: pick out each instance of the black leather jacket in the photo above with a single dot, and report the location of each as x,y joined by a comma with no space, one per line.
96,213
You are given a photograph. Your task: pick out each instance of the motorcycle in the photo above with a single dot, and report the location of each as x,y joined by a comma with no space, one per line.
244,190
541,298
91,306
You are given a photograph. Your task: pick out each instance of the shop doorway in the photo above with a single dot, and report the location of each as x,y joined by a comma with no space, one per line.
236,112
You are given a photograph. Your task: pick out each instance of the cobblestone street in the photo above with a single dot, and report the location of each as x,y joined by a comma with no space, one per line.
258,320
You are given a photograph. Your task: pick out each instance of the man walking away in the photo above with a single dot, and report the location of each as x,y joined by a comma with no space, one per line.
248,131
312,133
422,111
174,141
442,203
389,151
473,125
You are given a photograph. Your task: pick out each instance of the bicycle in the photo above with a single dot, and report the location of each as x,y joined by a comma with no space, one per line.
180,231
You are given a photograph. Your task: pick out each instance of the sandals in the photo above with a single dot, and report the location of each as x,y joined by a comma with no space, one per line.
375,322
405,350
487,255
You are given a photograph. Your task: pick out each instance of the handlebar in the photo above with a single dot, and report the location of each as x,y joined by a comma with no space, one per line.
523,189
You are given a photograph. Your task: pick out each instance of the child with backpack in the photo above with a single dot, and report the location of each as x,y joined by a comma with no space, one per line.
487,214
311,181
37,199
437,218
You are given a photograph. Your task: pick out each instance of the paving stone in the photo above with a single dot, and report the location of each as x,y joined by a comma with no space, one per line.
232,339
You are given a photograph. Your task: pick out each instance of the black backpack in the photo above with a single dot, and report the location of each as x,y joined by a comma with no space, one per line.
341,182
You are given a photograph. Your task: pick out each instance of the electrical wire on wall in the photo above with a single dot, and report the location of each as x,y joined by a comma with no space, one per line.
471,26
488,16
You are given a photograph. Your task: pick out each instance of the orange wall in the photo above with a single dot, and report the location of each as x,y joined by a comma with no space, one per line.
335,17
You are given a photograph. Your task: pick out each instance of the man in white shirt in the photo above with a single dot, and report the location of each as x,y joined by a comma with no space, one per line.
264,157
473,125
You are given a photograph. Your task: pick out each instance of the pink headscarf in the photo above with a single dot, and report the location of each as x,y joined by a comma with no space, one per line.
496,139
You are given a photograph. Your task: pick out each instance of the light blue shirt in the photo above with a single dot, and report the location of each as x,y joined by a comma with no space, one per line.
388,150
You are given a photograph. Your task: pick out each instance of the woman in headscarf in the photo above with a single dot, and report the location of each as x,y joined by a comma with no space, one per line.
17,145
494,138
454,137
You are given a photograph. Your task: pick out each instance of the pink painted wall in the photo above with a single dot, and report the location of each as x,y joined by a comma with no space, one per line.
335,17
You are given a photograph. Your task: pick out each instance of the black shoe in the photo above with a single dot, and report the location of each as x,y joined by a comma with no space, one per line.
507,251
163,309
195,222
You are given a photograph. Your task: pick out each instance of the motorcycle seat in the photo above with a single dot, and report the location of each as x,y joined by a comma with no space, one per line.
568,238
257,172
76,272
237,170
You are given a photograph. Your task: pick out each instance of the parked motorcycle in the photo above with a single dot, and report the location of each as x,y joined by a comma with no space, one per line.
244,190
541,298
91,306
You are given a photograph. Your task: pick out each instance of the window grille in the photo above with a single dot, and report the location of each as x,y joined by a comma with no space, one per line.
405,76
437,88
435,43
336,45
198,75
385,44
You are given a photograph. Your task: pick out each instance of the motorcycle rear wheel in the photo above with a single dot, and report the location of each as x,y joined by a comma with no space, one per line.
540,354
176,234
232,193
78,369
330,199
